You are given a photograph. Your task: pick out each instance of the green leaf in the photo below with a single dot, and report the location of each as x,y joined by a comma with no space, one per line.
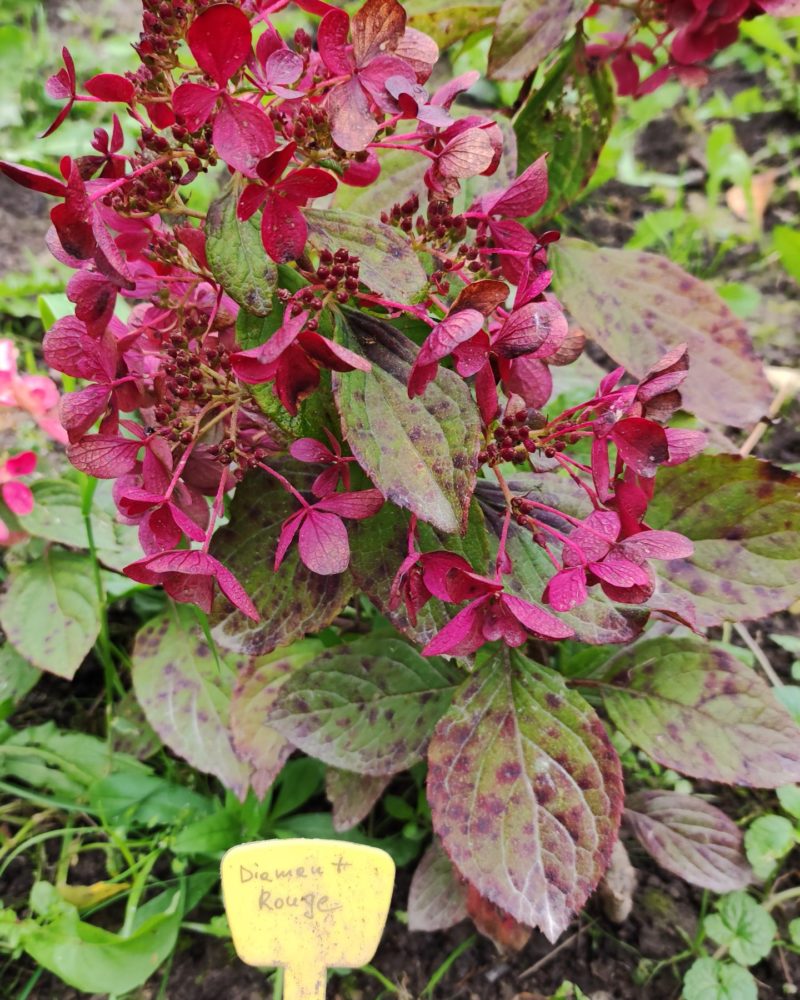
696,709
794,932
420,452
257,687
237,257
185,687
368,706
57,516
17,676
709,979
529,30
789,798
690,838
437,898
638,306
743,516
212,835
388,263
787,243
97,961
291,602
352,796
570,117
789,696
50,611
146,800
767,841
742,926
525,791
448,21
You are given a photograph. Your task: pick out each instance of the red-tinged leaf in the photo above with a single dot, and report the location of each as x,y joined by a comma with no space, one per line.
437,899
194,102
258,685
353,126
695,708
332,42
35,180
185,690
376,27
507,934
637,306
352,796
237,259
690,838
388,264
743,516
242,134
111,88
293,601
529,30
419,453
323,544
284,232
104,457
523,197
324,706
466,155
525,791
219,39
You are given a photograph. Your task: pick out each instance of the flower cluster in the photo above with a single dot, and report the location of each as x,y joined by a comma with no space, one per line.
686,34
169,408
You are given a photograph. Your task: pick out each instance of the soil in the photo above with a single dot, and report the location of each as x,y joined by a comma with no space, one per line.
607,961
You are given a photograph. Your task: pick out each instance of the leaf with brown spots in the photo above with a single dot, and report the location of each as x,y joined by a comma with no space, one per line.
525,791
447,21
352,796
420,453
437,899
700,711
743,516
527,31
638,306
184,687
237,257
387,262
690,838
369,706
257,687
292,602
50,612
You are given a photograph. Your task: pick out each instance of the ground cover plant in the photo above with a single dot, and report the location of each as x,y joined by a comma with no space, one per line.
329,405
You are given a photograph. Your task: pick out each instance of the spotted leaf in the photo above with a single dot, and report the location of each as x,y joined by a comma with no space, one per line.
525,791
700,711
437,899
368,706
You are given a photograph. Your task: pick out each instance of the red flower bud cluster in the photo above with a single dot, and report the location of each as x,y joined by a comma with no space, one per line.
168,410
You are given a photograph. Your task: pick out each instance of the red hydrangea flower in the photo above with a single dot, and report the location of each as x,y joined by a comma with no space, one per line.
17,496
311,450
189,576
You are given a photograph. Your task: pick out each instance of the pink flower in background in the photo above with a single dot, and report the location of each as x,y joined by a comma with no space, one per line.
36,394
17,496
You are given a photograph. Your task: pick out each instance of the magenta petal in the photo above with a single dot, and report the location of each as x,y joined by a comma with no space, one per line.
289,529
18,498
463,635
235,592
242,134
310,450
567,589
357,505
332,42
194,103
219,39
283,229
535,619
620,572
323,543
525,195
438,568
104,457
22,464
657,545
352,125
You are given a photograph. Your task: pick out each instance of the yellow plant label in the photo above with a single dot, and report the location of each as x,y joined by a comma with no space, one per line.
306,906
